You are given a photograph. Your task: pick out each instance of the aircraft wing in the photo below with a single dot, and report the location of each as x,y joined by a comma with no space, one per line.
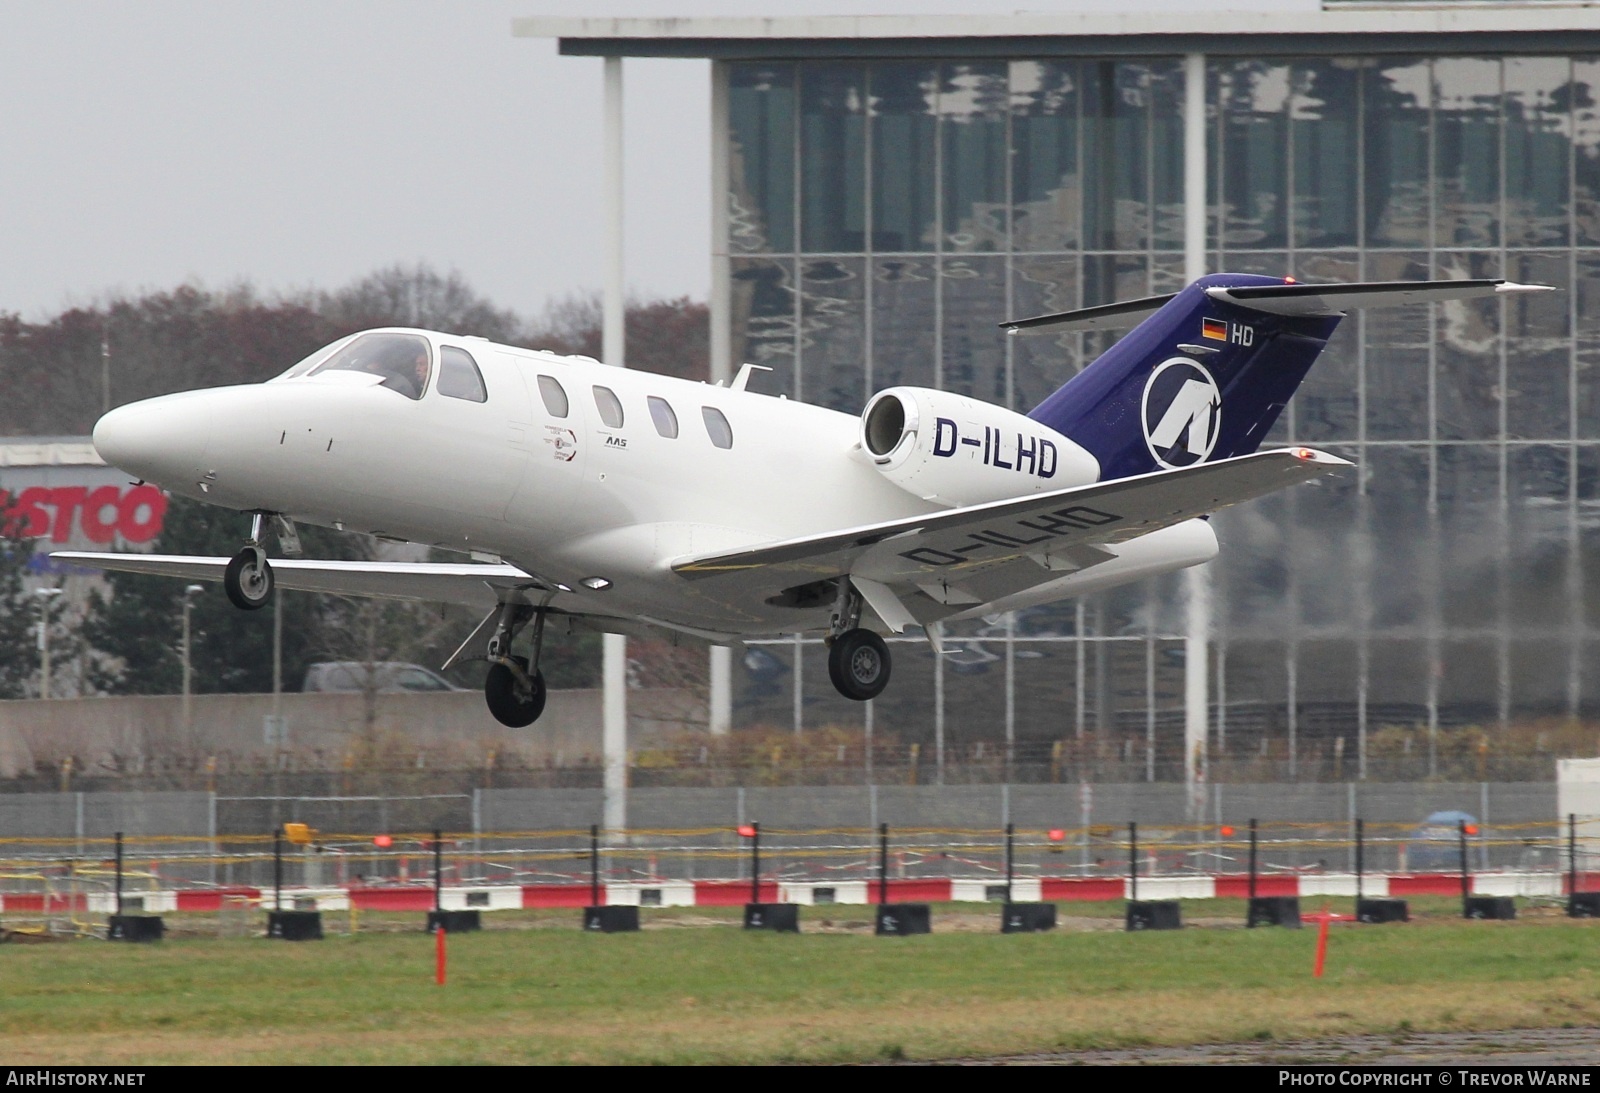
470,584
1063,530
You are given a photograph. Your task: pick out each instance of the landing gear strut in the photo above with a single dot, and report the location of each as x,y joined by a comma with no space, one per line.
858,659
514,689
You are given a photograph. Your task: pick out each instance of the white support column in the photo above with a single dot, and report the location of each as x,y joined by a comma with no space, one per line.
614,736
720,713
1197,581
613,348
614,740
722,370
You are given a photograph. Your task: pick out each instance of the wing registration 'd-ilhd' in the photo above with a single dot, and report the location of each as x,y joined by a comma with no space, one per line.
971,540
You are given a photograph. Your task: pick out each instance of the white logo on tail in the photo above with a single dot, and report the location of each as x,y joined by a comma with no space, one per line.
1182,413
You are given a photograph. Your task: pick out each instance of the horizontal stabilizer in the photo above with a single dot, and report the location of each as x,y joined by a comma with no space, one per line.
1285,299
1337,299
1103,317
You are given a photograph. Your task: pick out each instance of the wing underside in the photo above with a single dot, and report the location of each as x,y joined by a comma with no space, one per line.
471,585
981,553
475,585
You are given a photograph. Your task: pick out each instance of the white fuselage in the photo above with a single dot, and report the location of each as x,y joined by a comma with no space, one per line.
563,497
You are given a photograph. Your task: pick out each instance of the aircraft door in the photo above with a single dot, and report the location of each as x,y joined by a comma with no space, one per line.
549,446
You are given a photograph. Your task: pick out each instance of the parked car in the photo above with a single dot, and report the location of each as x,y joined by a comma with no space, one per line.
1435,844
384,676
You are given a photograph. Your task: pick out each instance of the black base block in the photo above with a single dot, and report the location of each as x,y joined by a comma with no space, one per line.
1382,910
1154,914
783,918
1583,905
901,919
611,920
135,928
295,925
1274,911
1502,907
1027,918
454,922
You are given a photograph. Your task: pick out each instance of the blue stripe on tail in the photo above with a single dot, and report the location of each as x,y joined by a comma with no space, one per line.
1146,403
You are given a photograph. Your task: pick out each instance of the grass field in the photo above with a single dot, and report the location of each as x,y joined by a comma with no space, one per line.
693,988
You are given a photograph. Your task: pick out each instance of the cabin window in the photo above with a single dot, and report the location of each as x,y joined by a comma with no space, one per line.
660,413
717,427
402,360
605,400
554,395
459,376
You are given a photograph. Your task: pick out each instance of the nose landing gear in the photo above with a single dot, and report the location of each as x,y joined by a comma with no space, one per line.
248,579
514,689
858,659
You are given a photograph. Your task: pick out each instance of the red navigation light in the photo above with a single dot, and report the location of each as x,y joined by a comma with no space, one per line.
1057,835
1288,280
382,842
1472,829
1227,831
747,831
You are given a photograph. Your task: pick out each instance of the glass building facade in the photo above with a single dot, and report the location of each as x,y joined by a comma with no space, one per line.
883,216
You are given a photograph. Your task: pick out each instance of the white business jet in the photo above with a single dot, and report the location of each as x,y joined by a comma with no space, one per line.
627,502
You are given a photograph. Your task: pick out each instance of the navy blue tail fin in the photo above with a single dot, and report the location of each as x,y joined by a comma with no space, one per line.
1199,380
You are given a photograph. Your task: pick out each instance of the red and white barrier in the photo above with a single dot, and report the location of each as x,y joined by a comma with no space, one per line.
723,893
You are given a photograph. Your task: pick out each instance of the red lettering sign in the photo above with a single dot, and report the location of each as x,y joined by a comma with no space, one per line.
135,513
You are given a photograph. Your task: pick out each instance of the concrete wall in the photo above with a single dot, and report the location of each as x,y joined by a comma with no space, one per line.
112,733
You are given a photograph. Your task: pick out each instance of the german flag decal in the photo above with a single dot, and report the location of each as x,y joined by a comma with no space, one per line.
1215,329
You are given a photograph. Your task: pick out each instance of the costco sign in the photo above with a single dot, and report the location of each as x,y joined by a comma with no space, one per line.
100,513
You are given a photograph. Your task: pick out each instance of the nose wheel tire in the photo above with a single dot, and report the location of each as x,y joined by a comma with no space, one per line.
512,702
858,664
248,580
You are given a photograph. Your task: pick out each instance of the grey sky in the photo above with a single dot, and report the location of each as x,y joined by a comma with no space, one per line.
302,144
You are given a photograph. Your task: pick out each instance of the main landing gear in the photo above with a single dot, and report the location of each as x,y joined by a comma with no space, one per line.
514,688
858,659
248,579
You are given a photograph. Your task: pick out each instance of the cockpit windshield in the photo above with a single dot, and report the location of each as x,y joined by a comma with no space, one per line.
309,361
401,359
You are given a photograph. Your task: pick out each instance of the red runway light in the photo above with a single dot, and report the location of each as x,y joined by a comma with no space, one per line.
1057,835
1227,832
1472,829
382,842
747,831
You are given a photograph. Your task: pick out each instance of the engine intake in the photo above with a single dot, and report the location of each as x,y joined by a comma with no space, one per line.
955,450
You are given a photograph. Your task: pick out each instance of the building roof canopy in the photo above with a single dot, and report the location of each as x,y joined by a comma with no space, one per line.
1336,28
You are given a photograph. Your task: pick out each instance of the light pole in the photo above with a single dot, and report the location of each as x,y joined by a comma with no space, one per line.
188,603
45,596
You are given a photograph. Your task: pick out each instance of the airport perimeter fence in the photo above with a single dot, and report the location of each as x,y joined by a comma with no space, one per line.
61,843
67,869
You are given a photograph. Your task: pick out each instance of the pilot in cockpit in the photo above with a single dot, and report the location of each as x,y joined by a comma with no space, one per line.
401,361
404,366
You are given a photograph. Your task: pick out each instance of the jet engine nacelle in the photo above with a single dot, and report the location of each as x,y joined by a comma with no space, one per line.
955,450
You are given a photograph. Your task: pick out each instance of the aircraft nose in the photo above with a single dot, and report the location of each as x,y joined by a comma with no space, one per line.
162,440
